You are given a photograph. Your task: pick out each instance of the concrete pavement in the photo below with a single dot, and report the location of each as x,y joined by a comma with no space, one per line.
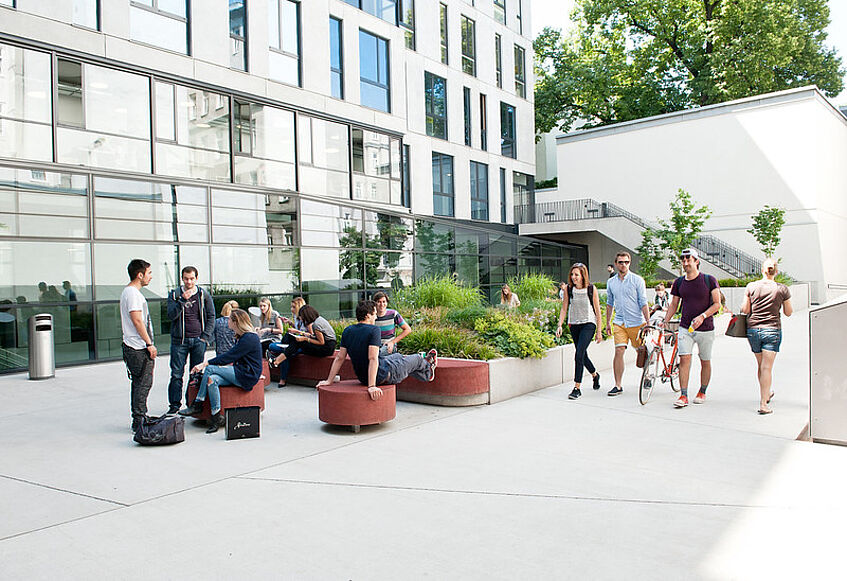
534,487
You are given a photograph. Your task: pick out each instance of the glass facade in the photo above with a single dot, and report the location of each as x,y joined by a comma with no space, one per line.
160,23
479,191
26,104
374,72
442,184
435,105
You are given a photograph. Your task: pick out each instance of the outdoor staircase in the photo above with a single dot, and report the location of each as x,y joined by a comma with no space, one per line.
728,258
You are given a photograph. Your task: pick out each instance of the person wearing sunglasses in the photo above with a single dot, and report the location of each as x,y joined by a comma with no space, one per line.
626,295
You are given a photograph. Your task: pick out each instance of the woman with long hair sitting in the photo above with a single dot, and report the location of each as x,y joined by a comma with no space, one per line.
224,336
318,340
508,298
245,371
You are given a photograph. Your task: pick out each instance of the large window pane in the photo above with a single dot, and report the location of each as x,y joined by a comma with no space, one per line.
159,29
433,237
85,13
43,204
435,105
442,184
336,58
332,269
73,334
238,34
25,279
479,191
330,225
520,72
324,157
507,130
247,270
284,41
25,104
388,232
374,71
264,138
468,46
388,269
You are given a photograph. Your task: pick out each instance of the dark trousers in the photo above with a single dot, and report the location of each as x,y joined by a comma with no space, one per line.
396,367
193,349
294,347
139,366
582,336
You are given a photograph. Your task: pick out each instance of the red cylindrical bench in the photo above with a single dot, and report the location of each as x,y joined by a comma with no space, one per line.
347,403
233,396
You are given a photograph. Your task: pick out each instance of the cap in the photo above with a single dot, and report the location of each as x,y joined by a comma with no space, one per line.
689,252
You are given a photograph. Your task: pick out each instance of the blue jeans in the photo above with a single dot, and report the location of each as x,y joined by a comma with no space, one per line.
396,367
220,375
767,339
194,350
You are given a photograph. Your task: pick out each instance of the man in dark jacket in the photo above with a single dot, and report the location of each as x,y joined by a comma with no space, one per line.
192,315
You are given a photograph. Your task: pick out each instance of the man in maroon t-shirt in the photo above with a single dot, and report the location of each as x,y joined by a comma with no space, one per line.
701,299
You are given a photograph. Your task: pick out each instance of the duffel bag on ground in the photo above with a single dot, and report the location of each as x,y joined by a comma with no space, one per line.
161,431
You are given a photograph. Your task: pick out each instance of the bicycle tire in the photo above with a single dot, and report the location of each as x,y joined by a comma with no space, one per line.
675,374
643,391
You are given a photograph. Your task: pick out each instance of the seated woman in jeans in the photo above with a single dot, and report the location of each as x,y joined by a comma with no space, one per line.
245,371
582,307
318,340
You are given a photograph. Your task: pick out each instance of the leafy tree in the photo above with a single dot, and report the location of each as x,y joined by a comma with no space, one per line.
630,59
767,228
673,235
650,253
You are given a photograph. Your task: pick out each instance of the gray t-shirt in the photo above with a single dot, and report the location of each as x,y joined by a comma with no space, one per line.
133,300
322,325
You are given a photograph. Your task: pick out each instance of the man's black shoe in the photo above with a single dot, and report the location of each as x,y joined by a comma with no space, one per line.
192,410
596,382
575,393
173,410
615,391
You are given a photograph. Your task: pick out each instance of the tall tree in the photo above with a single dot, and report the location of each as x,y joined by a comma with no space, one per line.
629,59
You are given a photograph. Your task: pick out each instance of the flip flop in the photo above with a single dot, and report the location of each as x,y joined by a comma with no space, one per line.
770,397
765,412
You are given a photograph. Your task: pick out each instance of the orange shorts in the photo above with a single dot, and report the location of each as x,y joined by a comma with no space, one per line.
624,335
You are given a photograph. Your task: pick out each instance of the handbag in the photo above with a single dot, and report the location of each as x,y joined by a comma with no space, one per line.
242,422
737,326
160,431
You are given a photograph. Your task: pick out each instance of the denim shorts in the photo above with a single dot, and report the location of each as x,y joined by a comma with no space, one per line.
767,339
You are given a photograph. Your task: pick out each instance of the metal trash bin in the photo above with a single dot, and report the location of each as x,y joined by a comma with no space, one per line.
42,360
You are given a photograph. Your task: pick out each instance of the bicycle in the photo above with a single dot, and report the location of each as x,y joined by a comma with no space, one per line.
657,366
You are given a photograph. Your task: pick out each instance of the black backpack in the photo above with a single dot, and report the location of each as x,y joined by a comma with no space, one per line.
160,431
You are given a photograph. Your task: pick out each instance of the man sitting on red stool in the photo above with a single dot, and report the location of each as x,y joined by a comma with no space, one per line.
362,342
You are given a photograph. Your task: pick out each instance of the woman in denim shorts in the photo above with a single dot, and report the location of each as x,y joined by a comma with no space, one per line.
763,300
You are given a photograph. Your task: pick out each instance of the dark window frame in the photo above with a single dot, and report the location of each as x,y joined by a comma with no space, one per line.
468,28
431,118
442,159
339,70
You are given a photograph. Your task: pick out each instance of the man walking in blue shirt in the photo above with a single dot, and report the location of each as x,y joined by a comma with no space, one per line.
626,293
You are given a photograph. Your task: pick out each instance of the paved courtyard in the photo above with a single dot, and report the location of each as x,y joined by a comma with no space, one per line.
536,487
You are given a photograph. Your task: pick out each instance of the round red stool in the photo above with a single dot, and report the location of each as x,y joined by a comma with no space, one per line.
347,403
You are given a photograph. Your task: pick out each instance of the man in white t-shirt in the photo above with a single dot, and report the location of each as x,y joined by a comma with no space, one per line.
139,352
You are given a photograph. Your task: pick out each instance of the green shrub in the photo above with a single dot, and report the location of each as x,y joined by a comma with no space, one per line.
513,338
443,291
339,325
465,317
449,341
533,286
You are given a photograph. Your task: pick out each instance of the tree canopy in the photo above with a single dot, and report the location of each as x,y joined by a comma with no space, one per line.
629,59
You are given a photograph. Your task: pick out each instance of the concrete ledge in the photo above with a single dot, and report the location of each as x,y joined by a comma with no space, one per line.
511,377
458,382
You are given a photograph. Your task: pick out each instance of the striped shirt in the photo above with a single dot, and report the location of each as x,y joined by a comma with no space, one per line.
388,324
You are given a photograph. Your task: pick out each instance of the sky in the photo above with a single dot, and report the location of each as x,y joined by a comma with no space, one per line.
556,13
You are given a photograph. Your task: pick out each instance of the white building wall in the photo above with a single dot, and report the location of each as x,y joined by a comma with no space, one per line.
784,150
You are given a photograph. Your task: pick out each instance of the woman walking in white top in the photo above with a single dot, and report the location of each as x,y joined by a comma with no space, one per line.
582,307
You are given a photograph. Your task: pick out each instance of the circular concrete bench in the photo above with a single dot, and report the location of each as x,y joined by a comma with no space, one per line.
347,403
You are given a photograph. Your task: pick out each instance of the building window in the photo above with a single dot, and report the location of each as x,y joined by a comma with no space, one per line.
435,104
500,11
10,3
406,8
238,34
445,53
479,191
373,72
467,104
507,130
468,46
520,72
376,167
336,59
284,41
523,190
407,178
103,117
324,156
498,60
162,23
384,9
483,122
442,184
86,13
192,138
263,145
503,195
26,104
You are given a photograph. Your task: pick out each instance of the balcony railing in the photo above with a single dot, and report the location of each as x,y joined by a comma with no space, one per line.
718,252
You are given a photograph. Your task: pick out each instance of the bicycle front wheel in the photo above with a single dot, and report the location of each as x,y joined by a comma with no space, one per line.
648,377
674,375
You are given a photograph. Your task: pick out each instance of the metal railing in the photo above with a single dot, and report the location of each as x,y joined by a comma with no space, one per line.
718,252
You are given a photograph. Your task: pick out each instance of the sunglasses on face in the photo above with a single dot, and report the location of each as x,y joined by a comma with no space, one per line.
623,261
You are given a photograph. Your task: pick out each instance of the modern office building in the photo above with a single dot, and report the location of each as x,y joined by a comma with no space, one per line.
317,147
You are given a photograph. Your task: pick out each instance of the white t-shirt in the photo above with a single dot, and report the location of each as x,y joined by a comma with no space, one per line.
133,300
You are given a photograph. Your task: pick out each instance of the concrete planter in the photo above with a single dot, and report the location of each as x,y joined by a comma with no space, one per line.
510,377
